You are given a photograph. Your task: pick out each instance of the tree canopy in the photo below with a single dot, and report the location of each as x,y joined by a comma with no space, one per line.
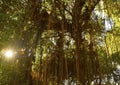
60,41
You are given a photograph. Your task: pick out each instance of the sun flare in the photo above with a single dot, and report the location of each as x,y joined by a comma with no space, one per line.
9,53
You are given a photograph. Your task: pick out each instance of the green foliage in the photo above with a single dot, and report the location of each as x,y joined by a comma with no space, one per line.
60,39
10,73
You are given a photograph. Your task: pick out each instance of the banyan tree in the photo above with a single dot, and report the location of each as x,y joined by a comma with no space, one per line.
65,41
61,39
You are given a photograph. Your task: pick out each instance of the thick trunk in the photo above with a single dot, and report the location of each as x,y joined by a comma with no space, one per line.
80,19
